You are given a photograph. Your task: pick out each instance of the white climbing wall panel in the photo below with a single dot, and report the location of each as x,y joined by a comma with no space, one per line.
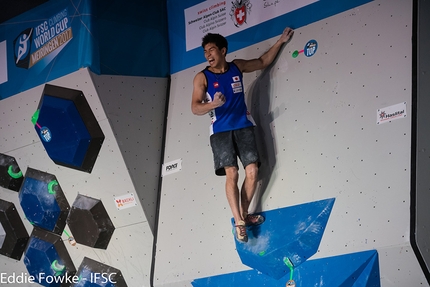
319,138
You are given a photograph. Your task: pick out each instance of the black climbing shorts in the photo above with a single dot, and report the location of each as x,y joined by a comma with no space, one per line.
227,146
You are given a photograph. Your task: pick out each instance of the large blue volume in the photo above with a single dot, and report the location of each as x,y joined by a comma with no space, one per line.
359,269
290,233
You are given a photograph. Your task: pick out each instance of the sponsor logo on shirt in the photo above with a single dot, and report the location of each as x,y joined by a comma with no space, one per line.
237,87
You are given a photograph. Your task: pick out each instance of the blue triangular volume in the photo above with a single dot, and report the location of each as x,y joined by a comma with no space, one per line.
291,232
356,269
369,277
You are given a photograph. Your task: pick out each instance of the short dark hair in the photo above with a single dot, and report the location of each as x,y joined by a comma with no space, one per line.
219,40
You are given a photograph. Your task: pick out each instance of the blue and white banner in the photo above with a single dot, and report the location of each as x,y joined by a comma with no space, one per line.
45,43
242,22
62,36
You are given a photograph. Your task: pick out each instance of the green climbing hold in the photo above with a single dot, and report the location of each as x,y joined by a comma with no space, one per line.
290,265
57,267
35,117
287,262
14,174
51,185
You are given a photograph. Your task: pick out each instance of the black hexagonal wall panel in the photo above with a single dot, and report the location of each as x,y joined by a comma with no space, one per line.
10,173
90,223
68,128
2,235
46,258
92,273
13,235
43,201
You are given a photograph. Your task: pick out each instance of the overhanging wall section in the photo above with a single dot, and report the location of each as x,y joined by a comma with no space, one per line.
135,108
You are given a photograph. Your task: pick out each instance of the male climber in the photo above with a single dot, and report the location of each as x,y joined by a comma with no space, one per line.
219,91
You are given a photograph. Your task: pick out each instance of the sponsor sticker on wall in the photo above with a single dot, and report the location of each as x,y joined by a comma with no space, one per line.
125,201
172,167
391,113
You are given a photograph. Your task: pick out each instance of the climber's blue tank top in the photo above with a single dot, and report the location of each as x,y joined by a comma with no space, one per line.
233,114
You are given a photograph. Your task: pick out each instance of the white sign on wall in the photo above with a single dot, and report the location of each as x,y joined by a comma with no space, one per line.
391,113
125,201
3,62
229,17
172,167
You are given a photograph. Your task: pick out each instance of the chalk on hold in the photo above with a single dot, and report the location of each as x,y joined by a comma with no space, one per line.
43,201
57,267
46,256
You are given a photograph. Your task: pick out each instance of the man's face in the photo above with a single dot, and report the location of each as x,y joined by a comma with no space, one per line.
213,54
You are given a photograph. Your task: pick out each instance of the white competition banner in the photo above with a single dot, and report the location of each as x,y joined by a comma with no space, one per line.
229,17
3,63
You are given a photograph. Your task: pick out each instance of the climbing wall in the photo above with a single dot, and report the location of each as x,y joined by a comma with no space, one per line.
138,126
332,125
110,214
